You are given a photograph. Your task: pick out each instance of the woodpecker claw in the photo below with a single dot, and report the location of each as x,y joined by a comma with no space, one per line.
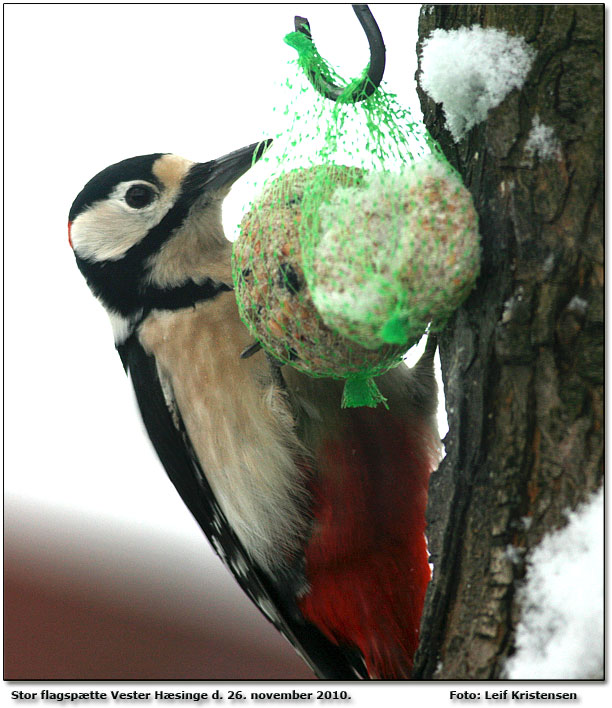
250,350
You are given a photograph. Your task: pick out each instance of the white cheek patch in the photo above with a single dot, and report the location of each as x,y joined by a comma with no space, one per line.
106,231
109,228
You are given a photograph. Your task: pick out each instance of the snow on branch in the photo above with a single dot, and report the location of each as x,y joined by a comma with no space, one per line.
560,634
471,70
541,141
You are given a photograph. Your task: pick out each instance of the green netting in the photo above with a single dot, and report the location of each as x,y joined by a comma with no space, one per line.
362,237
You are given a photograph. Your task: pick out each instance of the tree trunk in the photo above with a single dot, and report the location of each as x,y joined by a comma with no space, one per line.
522,360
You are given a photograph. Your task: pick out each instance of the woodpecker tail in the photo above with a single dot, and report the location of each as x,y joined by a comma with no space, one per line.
367,560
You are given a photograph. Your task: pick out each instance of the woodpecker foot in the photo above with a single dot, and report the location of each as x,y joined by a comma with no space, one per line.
250,350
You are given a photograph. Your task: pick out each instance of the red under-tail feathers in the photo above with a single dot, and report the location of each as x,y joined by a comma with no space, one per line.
367,561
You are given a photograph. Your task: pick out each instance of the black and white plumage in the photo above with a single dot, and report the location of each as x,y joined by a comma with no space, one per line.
174,449
242,441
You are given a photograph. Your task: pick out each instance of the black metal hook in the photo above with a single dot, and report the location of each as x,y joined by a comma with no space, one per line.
376,68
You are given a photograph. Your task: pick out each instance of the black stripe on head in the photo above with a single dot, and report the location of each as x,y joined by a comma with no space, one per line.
122,284
100,186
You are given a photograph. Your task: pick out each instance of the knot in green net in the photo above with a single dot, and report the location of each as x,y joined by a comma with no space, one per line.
361,238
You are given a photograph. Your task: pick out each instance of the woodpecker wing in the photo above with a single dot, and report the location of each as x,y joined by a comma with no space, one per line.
171,442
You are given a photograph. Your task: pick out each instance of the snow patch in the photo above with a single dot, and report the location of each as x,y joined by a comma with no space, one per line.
471,70
560,634
514,554
542,141
578,305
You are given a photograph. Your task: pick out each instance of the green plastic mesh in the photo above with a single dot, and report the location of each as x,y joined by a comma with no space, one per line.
361,239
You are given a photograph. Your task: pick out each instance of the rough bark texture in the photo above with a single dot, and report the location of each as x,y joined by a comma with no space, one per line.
523,358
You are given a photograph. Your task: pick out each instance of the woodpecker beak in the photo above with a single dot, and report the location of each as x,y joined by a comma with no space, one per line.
224,171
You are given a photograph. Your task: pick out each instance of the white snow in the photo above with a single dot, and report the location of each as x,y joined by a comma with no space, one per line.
471,70
560,634
513,554
542,141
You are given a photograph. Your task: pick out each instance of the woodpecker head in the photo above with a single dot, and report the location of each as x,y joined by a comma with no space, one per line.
150,223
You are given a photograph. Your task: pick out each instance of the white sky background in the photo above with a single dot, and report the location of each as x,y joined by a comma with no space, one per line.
86,86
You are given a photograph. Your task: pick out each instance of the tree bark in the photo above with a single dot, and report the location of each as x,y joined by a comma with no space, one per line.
522,359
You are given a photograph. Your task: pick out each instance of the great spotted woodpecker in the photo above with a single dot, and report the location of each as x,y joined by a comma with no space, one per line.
318,511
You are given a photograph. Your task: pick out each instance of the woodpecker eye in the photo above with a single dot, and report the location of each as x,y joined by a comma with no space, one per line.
139,196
